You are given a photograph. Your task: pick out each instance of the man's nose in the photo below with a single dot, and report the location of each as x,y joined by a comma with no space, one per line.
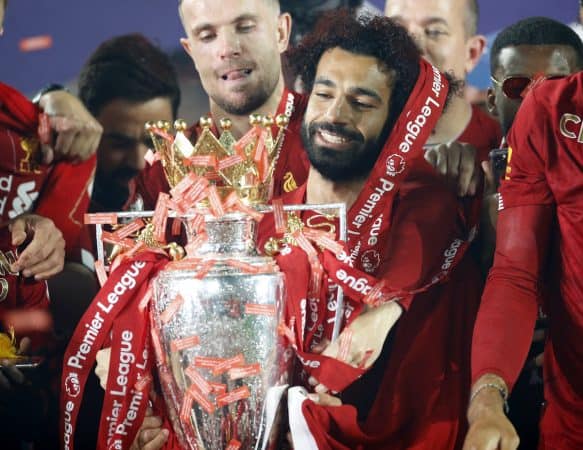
229,45
135,158
339,111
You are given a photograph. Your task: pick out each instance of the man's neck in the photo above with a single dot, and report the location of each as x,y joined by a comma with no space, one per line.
241,122
454,121
320,190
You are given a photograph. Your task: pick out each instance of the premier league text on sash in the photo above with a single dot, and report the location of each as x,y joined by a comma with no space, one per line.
95,326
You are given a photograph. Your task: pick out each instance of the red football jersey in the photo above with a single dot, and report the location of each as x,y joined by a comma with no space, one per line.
415,395
483,132
540,236
60,192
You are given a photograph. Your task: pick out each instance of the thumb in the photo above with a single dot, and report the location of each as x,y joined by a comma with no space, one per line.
48,154
319,348
18,231
24,346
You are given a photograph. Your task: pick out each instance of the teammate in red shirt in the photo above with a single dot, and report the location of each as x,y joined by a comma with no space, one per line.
236,48
539,238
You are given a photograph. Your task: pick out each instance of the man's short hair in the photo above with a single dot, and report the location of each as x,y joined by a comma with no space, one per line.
376,36
131,68
535,31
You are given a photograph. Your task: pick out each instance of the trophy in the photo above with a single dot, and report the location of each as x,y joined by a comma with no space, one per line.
216,314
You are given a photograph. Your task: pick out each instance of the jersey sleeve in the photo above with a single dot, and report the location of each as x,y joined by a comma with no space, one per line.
65,199
525,182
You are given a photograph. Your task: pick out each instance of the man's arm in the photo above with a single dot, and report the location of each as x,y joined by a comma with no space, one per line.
505,322
77,132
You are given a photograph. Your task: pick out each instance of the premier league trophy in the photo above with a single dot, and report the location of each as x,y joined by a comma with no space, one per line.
217,309
215,314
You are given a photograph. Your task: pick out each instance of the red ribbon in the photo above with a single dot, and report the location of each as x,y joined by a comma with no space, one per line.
115,308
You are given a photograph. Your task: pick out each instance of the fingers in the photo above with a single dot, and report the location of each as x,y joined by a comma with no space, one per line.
431,156
152,422
469,176
24,346
153,439
10,376
319,348
67,129
78,133
325,399
18,231
457,163
454,158
48,154
44,256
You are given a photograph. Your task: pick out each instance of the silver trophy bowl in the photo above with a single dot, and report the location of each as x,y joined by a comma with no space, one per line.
222,359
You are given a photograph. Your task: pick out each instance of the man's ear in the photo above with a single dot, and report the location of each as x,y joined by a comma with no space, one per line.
474,49
284,26
186,46
491,101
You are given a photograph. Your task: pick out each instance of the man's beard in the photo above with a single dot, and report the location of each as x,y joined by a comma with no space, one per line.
256,98
352,164
109,191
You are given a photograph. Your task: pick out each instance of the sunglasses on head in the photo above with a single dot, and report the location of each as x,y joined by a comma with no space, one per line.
515,87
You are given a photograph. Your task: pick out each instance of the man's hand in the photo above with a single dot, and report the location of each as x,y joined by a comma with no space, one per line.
10,376
361,343
489,429
77,132
151,435
44,255
456,161
102,368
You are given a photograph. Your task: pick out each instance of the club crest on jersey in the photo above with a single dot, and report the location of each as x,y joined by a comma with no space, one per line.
395,165
289,182
30,147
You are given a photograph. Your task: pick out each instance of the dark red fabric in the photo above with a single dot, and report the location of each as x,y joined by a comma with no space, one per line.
483,132
18,119
540,232
420,387
291,169
59,192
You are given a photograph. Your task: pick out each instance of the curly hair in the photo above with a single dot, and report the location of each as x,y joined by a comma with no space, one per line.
376,36
128,67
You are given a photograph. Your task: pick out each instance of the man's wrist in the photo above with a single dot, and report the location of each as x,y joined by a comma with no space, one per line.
489,393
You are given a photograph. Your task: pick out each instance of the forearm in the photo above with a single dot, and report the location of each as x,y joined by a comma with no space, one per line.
505,322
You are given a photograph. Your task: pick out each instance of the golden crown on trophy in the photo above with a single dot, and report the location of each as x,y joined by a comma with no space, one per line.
245,166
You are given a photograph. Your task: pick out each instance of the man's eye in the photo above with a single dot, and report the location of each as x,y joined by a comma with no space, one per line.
324,95
206,36
245,27
435,33
362,105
